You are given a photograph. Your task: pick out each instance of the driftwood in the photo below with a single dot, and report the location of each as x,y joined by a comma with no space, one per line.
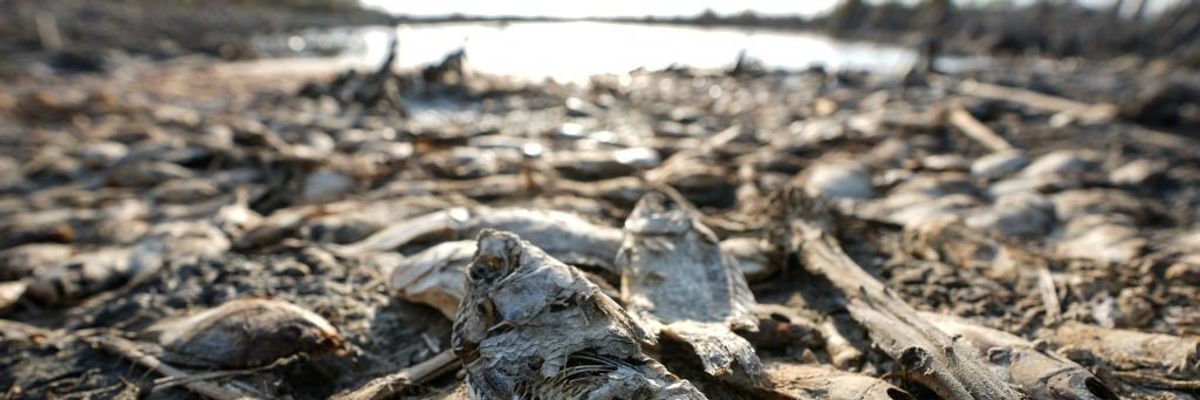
1086,112
929,356
129,351
390,386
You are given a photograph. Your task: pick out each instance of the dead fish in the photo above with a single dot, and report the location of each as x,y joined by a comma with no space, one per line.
1061,162
435,276
804,382
622,192
25,260
102,153
566,236
1037,373
472,162
185,190
178,240
676,278
837,180
532,327
84,275
602,164
1127,350
1020,214
325,186
245,333
146,174
486,187
1102,238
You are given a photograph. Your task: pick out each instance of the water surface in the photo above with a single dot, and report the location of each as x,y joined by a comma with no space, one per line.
573,51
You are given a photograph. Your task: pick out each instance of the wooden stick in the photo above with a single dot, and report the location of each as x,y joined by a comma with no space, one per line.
129,351
389,386
965,122
930,356
1099,112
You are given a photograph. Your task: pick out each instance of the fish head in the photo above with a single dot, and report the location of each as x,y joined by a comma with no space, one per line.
497,256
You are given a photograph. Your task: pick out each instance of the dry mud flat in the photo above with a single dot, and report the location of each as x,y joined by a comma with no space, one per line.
174,232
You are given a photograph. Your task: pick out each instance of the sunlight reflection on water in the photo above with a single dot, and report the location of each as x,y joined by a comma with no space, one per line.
573,51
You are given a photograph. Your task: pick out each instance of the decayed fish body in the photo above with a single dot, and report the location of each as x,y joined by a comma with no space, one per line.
245,333
532,327
1038,373
27,259
435,276
674,273
566,236
810,382
178,240
1127,350
83,275
602,164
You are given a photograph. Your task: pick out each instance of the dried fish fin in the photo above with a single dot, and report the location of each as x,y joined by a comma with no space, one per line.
721,352
533,327
932,357
1038,373
805,382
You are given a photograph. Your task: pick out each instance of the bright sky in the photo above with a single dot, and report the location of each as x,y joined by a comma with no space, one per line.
634,8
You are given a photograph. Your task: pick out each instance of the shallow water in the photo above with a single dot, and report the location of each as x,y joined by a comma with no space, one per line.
573,51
